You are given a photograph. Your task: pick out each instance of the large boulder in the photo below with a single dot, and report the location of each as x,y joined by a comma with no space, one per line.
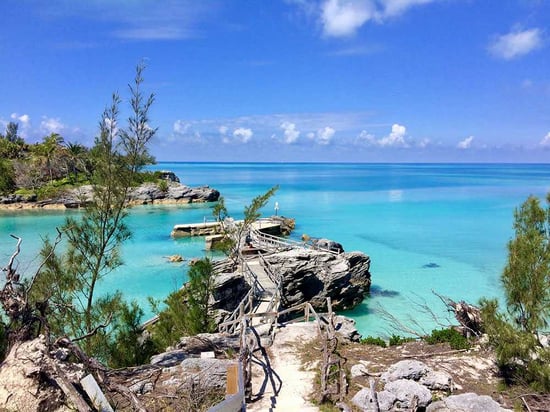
466,402
312,276
229,290
406,391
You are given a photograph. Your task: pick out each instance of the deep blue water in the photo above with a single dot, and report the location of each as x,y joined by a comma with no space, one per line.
425,226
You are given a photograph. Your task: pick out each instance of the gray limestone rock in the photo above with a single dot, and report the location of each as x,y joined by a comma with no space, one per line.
313,276
406,390
466,402
405,369
437,380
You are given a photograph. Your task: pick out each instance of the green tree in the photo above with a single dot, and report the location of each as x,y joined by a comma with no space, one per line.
188,310
76,159
7,177
69,280
515,333
236,233
198,291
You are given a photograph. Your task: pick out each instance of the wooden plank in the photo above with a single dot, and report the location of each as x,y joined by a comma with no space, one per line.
232,379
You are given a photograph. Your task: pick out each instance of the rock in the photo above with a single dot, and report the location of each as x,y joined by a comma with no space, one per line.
345,327
405,369
363,400
229,290
168,175
23,384
175,258
217,342
437,380
310,275
466,402
167,359
358,370
327,244
406,390
207,373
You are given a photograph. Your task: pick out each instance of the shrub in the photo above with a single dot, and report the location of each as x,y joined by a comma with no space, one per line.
396,340
451,336
371,340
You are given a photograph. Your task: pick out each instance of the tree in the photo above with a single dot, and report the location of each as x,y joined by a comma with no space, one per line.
235,233
198,291
76,160
7,177
69,280
526,281
188,310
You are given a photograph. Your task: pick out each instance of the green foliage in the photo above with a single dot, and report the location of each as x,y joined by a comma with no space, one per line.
198,317
515,334
163,185
451,336
188,310
219,211
396,340
3,340
68,281
130,346
252,211
371,340
7,177
170,325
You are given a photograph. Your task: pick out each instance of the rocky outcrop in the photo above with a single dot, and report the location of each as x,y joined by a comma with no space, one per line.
312,276
27,379
147,193
411,385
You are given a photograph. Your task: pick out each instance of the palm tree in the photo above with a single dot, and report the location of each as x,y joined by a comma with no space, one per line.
75,158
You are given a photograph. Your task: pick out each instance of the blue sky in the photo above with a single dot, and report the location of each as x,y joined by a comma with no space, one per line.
289,80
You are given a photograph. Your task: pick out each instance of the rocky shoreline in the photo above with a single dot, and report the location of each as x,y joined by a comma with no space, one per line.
145,194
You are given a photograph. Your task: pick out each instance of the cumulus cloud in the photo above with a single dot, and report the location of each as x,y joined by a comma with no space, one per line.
51,125
223,130
466,143
290,132
25,119
342,18
243,134
516,43
324,135
545,142
396,138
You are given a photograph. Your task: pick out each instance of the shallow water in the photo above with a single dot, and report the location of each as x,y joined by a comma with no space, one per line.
426,227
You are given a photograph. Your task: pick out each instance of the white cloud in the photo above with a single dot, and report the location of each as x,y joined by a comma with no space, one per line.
223,130
324,135
243,134
466,143
52,125
545,142
342,18
24,118
366,138
397,7
424,143
181,127
516,43
290,132
396,138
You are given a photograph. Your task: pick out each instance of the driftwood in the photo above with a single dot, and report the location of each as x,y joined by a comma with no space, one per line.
467,315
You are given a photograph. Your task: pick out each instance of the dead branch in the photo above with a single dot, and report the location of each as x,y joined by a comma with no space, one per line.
468,316
398,325
9,268
429,355
94,330
44,261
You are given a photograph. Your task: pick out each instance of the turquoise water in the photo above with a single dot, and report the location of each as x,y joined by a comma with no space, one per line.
455,219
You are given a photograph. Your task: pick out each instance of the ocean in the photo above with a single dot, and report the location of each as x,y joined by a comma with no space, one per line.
427,227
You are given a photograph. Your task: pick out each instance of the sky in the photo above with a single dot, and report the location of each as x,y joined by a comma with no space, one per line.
288,80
